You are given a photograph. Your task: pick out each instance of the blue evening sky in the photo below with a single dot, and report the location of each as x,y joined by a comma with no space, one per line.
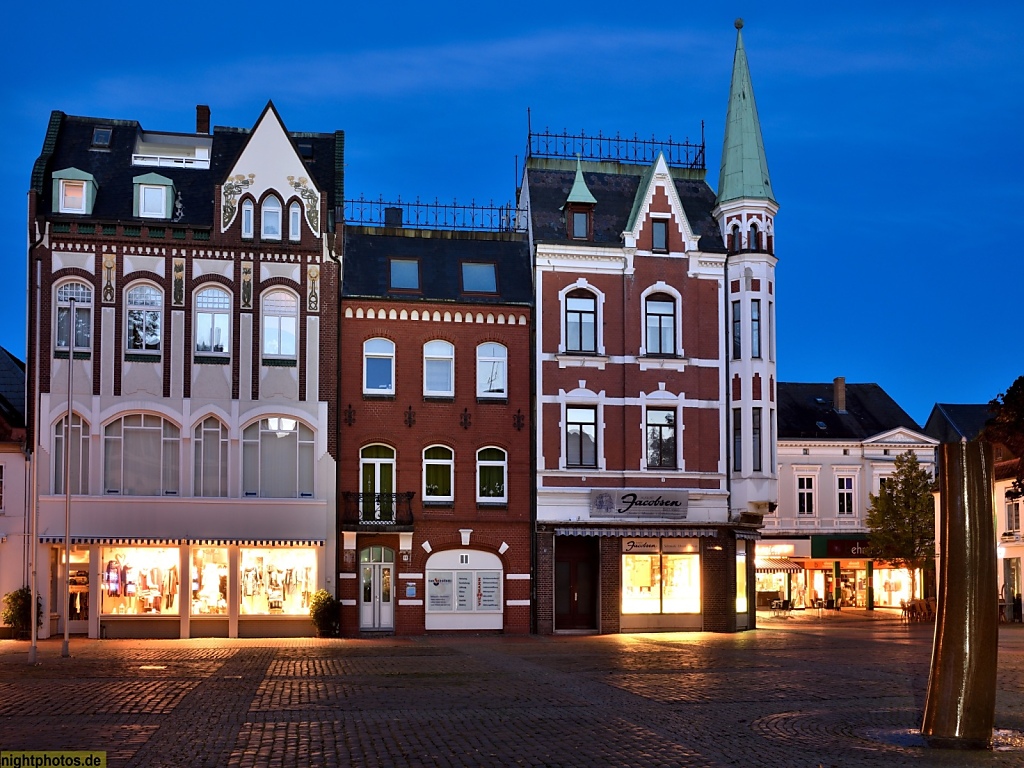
893,134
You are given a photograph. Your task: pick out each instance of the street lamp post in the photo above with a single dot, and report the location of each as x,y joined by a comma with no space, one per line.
66,609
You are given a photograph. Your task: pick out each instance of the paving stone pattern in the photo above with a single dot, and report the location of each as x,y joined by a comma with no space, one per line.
806,692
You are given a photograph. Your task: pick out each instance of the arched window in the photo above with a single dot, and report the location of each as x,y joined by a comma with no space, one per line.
661,324
378,367
736,241
280,323
491,370
491,475
211,460
213,321
247,214
141,456
79,453
438,369
277,459
755,238
143,311
81,295
438,468
295,221
270,219
377,483
580,321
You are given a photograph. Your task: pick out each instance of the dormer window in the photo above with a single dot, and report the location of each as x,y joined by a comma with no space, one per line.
101,136
74,191
580,225
270,219
579,207
153,196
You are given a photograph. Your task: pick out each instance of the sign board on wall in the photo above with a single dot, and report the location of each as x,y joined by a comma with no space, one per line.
639,504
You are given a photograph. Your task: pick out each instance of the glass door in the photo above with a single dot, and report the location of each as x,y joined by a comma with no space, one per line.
376,589
377,466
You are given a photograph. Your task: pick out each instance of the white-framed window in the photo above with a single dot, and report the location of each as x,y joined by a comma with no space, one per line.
661,438
247,218
438,471
659,235
755,328
581,321
491,475
277,459
79,453
152,201
378,367
210,441
805,495
755,237
141,456
660,311
491,370
294,221
81,294
438,369
581,436
737,241
213,321
270,219
737,331
1013,516
144,304
756,442
377,483
737,439
844,496
72,196
280,323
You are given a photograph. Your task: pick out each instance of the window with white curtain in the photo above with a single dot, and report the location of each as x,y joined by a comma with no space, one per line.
294,221
210,441
438,369
270,219
141,456
277,459
79,455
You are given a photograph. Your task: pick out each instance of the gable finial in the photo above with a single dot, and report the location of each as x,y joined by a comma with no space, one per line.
738,23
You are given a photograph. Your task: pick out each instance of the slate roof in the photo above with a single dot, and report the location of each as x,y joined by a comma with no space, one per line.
367,267
12,389
68,144
951,422
869,412
615,193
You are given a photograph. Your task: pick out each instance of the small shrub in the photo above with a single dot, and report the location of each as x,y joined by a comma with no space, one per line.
17,612
325,611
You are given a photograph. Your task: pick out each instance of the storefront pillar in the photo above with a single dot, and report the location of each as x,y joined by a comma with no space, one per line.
789,588
871,585
184,599
837,588
233,591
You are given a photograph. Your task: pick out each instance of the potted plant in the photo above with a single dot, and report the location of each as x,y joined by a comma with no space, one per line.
325,611
17,612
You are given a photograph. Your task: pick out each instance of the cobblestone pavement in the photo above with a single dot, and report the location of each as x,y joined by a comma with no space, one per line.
799,691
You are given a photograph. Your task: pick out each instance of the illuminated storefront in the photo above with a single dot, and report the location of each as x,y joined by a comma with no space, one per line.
660,579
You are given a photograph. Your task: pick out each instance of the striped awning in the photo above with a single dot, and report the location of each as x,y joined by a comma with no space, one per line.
117,541
748,535
588,530
777,565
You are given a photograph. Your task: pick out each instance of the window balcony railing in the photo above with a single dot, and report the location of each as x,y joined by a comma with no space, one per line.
377,509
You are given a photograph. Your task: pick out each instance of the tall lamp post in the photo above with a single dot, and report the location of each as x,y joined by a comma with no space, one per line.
66,609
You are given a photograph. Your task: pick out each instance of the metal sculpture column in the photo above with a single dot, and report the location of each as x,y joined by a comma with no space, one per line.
959,710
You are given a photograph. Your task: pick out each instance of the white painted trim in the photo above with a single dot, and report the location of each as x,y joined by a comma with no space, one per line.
517,602
410,575
517,577
347,603
410,602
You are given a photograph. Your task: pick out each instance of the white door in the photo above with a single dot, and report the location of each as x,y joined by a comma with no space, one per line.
376,588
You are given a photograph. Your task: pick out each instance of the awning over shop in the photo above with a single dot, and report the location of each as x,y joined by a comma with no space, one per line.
116,541
777,565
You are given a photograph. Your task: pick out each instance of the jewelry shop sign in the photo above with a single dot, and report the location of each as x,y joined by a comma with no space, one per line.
640,504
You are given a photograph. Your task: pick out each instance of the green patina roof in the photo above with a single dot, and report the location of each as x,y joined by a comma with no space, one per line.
580,193
744,164
641,194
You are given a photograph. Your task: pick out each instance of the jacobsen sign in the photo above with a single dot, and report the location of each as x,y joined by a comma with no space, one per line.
641,503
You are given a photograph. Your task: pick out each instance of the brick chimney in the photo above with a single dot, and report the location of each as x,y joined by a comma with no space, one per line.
839,394
202,118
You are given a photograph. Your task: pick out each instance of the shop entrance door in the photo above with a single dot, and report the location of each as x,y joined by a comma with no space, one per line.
576,569
376,589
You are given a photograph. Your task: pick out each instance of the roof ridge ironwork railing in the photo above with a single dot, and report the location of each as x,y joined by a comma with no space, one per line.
435,215
680,154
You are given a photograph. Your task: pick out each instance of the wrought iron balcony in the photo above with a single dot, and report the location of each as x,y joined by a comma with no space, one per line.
620,149
377,510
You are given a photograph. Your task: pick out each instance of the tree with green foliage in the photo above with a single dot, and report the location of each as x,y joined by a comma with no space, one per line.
1007,427
901,518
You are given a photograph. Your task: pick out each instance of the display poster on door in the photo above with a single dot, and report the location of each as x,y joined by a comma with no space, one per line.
488,590
439,591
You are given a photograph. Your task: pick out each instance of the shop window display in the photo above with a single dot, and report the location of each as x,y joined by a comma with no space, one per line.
665,581
209,588
140,581
277,581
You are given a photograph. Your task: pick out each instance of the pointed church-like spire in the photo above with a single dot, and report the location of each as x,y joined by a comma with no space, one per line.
744,172
580,192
